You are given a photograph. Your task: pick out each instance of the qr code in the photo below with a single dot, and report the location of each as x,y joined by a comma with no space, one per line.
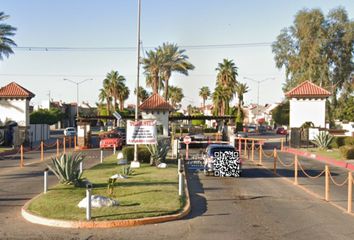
227,164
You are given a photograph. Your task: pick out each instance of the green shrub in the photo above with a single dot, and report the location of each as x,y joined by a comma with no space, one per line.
349,141
210,130
347,152
143,154
337,142
323,140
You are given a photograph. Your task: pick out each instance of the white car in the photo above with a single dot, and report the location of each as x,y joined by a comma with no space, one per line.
70,131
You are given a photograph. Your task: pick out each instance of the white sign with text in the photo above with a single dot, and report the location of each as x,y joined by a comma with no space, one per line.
141,132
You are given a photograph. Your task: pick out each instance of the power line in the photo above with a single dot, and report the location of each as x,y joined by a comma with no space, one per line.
128,49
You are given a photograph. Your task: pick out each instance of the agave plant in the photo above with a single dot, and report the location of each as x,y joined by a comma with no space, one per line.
126,171
66,168
322,140
158,151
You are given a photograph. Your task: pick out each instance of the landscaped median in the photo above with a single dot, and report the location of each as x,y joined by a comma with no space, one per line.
149,195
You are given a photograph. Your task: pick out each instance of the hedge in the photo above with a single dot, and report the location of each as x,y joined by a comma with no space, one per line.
143,154
347,152
349,141
337,142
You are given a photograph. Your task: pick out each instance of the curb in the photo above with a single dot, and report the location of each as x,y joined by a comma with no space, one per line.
328,160
33,218
8,152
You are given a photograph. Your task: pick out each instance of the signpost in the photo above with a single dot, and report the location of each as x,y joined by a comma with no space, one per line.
187,140
141,132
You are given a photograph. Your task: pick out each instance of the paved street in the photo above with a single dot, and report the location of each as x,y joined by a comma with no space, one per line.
256,206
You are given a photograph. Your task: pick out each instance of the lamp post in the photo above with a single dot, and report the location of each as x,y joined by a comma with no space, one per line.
77,93
258,82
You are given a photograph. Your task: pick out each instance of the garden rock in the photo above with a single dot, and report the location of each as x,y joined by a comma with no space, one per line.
162,165
120,155
98,201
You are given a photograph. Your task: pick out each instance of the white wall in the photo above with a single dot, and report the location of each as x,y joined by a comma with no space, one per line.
161,117
16,110
307,110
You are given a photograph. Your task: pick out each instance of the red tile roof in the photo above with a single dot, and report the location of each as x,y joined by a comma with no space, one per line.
155,102
308,89
13,90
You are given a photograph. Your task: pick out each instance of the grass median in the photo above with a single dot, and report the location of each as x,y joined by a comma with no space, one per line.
148,192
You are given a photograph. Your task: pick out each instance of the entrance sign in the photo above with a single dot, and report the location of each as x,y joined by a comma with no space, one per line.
141,132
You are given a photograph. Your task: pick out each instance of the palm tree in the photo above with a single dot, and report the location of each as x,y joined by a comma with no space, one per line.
6,31
241,89
143,94
152,66
173,59
123,95
227,73
221,99
105,97
204,93
114,83
175,95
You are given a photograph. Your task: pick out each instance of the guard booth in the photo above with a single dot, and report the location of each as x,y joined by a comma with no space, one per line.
83,135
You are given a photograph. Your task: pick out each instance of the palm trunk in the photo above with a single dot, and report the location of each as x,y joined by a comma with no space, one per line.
121,104
204,104
167,76
108,106
115,103
156,83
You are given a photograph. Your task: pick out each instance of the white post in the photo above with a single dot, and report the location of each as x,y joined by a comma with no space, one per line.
180,185
88,204
81,167
179,165
101,155
45,180
114,149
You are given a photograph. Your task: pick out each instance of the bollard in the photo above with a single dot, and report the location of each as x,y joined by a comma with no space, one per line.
187,151
21,161
295,171
57,147
81,168
70,139
275,161
114,149
252,150
75,144
88,199
260,154
327,183
350,191
282,145
101,155
180,183
179,164
42,151
45,180
245,147
64,143
239,146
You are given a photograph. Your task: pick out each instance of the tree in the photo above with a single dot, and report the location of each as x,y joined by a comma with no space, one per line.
345,109
152,66
280,114
6,31
319,49
221,99
114,84
143,94
204,93
45,116
123,94
175,95
105,97
173,59
241,89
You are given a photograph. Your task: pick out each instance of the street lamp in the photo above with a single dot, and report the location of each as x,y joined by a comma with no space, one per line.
258,82
77,93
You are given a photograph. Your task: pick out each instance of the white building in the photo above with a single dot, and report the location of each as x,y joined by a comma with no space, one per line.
155,107
14,104
307,104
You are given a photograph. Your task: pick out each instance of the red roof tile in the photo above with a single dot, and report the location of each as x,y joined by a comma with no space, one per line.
13,90
308,89
155,102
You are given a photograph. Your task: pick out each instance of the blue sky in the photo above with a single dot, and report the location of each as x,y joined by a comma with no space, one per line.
104,23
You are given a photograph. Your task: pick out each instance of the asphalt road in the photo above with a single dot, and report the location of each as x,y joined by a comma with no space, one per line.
258,205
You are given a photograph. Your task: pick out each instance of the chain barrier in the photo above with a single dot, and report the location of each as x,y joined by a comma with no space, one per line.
49,145
266,155
12,156
257,148
29,149
336,183
284,164
307,175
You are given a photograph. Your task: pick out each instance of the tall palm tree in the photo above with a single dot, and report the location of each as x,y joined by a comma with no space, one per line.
227,73
143,94
204,93
173,59
241,89
123,95
6,31
114,83
175,95
152,66
104,97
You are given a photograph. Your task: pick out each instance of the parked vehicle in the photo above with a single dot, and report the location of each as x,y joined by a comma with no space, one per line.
110,140
122,133
281,131
212,152
70,131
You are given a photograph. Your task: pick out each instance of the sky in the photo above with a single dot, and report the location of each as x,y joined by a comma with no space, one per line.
97,36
